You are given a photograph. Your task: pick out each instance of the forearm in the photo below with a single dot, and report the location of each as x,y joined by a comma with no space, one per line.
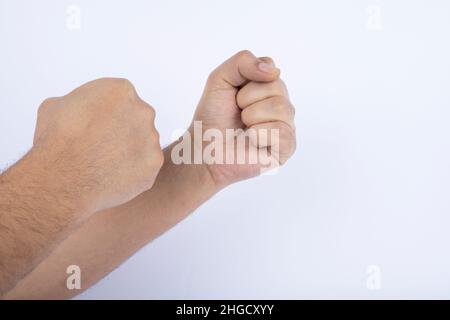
111,236
36,213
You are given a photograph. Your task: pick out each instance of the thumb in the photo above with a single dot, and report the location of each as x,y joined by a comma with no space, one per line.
241,68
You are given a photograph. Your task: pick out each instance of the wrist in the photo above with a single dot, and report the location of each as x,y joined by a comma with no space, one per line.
220,171
199,174
193,142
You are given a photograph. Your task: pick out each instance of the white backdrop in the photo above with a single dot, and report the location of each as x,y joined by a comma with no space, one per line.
361,211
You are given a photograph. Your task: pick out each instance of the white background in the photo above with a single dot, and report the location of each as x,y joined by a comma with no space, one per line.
369,184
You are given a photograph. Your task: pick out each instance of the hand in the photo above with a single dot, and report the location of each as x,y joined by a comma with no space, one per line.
245,92
98,143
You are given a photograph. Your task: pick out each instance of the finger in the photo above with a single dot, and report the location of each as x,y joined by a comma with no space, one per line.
268,60
148,111
277,108
241,68
256,91
276,135
148,119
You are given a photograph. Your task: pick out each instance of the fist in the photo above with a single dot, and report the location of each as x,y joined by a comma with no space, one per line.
100,141
246,94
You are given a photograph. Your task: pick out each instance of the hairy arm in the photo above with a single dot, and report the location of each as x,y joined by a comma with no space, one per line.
243,93
111,236
37,210
93,149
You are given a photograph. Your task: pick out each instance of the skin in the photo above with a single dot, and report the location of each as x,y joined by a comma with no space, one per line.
244,92
93,149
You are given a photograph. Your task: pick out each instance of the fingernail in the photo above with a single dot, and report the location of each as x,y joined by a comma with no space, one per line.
266,67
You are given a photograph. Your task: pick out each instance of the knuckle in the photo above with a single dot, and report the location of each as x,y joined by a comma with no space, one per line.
268,59
291,147
154,160
288,143
278,87
155,163
149,111
124,86
281,85
244,54
290,136
286,132
291,110
155,136
46,104
279,108
153,140
287,109
104,80
280,104
213,75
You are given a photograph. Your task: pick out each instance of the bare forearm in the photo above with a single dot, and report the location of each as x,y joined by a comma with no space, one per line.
111,236
244,94
36,212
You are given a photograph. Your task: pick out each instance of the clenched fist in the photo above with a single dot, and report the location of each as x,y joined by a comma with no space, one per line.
246,93
100,140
